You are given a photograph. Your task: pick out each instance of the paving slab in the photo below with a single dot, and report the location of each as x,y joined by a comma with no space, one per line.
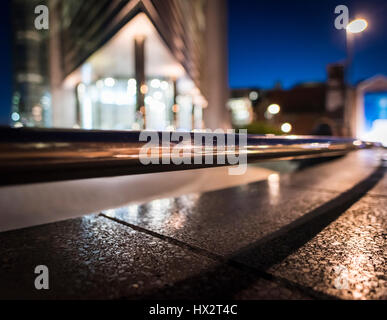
96,258
40,203
348,258
340,174
261,224
223,221
268,239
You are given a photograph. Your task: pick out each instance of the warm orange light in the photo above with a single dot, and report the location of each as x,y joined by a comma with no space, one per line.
144,89
175,108
142,109
357,143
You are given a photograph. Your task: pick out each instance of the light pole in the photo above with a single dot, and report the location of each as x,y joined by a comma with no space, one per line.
354,27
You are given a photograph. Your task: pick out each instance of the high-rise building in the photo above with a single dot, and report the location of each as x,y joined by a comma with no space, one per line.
31,97
129,64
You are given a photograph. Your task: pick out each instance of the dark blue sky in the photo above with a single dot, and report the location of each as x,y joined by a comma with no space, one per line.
5,63
293,41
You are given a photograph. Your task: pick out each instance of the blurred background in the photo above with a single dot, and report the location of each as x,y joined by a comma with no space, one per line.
269,66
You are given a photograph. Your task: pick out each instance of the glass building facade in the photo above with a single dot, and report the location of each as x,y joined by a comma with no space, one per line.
121,65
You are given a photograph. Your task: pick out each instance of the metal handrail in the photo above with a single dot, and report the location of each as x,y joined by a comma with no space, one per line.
38,155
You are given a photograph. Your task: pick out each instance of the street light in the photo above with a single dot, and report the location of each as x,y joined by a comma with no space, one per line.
355,26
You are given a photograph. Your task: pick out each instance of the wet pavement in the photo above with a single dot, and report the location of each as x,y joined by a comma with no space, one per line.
317,233
35,204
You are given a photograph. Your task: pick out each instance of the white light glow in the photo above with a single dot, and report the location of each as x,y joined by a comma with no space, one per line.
274,177
273,108
136,126
357,143
241,111
109,82
156,115
81,88
383,102
155,83
87,116
357,26
132,83
164,85
99,84
286,127
148,99
15,116
378,133
253,95
274,188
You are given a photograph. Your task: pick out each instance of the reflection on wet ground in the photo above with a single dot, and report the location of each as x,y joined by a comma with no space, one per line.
316,233
261,224
57,201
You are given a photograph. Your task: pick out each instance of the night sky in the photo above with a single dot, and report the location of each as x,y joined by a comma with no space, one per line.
272,41
293,41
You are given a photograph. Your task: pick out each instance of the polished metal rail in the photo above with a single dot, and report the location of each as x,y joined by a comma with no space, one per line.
36,155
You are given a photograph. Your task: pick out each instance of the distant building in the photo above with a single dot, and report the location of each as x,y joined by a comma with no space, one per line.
304,107
241,111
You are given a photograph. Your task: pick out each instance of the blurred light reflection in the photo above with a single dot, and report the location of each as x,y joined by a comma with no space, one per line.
274,188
